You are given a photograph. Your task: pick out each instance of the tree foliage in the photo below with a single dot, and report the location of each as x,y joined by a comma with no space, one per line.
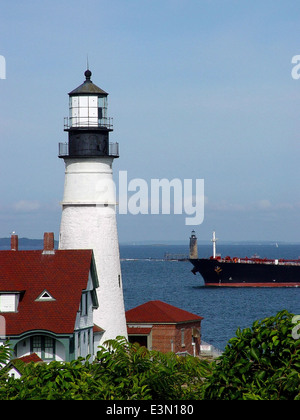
260,363
120,371
5,353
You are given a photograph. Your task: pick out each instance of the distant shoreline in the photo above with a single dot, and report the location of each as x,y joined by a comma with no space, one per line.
208,242
29,244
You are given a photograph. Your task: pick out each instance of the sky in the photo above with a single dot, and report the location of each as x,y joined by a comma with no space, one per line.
198,89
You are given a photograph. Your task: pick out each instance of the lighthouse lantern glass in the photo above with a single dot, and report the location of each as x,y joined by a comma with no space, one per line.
84,111
102,110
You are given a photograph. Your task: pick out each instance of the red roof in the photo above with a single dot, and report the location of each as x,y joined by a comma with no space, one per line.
63,275
97,329
158,312
32,357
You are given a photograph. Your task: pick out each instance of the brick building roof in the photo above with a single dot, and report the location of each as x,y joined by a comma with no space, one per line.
157,311
63,274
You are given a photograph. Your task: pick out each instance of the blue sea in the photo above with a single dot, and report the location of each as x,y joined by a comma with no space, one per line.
147,276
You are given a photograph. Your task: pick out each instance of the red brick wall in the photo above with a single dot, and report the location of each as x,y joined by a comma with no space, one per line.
163,335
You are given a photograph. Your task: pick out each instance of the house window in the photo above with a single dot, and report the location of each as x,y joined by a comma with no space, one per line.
88,344
49,348
43,346
182,337
8,302
84,304
79,345
37,345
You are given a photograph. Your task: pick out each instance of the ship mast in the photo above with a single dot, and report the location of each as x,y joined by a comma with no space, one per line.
214,240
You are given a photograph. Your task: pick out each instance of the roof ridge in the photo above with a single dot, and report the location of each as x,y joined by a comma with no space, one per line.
159,311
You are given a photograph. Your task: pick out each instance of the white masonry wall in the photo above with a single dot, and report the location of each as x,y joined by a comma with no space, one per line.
89,222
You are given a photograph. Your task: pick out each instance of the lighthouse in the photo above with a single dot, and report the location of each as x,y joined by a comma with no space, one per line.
88,219
193,246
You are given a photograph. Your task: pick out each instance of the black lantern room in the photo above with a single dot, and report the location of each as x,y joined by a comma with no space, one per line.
88,124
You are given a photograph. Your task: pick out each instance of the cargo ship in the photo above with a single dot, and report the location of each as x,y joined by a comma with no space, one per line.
243,272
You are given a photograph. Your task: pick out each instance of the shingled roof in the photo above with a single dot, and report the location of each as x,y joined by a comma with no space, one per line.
88,87
63,274
158,312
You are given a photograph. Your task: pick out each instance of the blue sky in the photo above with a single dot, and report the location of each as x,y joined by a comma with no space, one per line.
198,89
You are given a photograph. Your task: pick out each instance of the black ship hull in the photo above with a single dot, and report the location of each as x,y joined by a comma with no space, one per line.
248,273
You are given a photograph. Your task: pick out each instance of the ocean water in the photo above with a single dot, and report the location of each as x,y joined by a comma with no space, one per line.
146,276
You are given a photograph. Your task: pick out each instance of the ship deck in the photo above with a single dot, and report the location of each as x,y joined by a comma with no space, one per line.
256,260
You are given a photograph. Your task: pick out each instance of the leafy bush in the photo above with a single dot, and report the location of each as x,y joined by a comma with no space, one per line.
262,362
5,353
140,373
120,371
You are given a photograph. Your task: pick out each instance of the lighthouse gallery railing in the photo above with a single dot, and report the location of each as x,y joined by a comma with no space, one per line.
63,149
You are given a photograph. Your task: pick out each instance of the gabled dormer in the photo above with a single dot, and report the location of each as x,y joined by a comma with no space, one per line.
9,301
45,296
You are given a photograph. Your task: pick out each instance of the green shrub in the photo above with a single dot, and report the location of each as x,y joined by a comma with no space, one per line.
5,353
262,362
120,371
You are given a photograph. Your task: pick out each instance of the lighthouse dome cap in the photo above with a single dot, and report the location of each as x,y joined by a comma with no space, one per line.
87,87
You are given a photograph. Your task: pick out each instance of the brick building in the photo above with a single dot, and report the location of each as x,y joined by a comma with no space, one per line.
163,327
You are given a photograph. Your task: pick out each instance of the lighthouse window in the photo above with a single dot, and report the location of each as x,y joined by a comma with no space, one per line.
93,101
74,102
102,104
83,101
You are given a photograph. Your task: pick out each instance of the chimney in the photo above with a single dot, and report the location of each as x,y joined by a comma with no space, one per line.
14,242
48,243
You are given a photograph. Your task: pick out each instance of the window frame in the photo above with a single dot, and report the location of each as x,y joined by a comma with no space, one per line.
42,352
84,303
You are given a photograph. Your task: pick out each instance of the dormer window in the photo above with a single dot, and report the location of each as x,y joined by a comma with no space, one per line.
44,296
9,301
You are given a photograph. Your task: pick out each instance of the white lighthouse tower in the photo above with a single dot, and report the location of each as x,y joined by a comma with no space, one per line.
89,204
